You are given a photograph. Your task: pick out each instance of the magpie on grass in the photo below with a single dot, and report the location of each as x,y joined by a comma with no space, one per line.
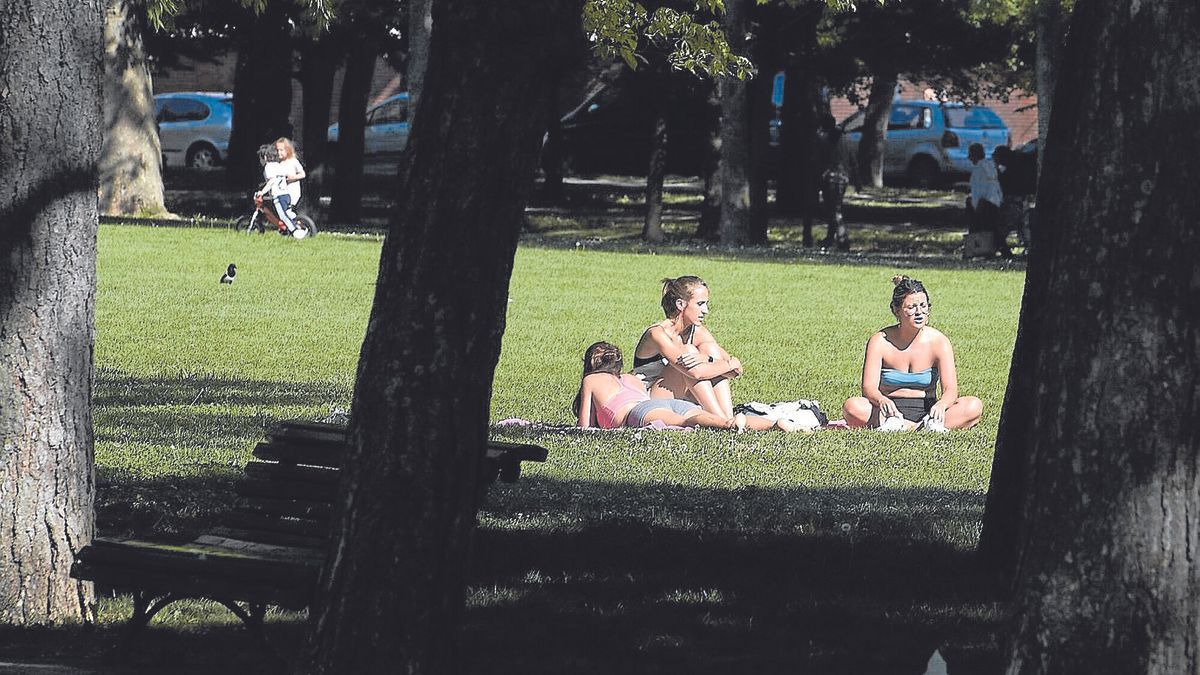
230,273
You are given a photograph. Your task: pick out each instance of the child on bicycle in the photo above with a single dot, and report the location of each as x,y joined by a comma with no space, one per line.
275,185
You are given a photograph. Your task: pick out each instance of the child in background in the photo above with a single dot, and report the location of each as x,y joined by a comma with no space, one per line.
293,171
986,198
275,185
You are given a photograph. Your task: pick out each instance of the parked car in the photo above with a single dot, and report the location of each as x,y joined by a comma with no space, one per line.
386,134
927,141
193,127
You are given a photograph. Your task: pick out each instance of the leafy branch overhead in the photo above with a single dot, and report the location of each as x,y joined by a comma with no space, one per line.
320,13
692,41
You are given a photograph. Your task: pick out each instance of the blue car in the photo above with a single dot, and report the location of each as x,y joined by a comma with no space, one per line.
927,141
193,127
386,134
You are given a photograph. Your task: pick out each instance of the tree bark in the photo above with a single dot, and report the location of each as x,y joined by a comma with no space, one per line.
1051,19
131,157
391,592
709,228
874,132
262,93
319,59
50,112
652,226
1107,576
737,219
420,23
345,202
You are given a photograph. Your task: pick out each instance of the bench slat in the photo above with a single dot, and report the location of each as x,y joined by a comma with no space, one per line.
286,508
268,537
212,557
266,591
292,472
285,489
316,529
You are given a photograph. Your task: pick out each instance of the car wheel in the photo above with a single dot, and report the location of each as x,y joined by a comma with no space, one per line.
923,171
202,156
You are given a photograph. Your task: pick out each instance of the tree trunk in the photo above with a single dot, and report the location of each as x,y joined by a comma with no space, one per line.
345,204
131,158
319,59
262,93
50,112
737,219
874,132
1051,20
391,592
709,228
1107,575
420,23
759,117
551,158
652,227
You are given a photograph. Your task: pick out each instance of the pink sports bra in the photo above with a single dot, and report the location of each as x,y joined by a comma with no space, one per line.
606,413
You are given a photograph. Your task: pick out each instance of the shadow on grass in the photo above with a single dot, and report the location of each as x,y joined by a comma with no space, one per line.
627,595
574,576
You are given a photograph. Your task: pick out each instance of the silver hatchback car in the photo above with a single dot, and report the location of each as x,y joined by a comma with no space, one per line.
193,127
927,141
385,136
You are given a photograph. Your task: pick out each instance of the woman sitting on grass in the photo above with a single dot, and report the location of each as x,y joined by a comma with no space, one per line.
903,365
679,358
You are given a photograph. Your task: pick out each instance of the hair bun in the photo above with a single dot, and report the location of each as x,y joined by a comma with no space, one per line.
898,279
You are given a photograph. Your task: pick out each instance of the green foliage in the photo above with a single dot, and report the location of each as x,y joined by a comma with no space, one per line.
318,13
616,28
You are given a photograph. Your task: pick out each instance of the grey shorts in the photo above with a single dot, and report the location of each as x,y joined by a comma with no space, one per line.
637,415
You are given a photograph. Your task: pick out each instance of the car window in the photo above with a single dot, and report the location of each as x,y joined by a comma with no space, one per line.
904,117
396,111
977,117
182,110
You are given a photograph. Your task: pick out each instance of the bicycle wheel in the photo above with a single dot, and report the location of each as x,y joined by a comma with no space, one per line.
305,227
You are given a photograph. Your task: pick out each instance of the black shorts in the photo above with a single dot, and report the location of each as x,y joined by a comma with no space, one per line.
913,409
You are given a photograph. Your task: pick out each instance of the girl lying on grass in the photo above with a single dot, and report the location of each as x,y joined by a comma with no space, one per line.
903,365
609,398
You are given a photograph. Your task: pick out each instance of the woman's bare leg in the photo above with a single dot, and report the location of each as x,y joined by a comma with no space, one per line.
720,385
965,413
858,412
675,384
697,418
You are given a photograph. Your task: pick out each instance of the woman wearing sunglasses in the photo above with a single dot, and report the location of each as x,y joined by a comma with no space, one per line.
903,367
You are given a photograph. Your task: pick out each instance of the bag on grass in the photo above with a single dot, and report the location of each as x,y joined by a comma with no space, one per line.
804,413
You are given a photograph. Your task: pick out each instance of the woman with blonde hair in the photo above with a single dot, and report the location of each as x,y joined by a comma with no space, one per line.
903,366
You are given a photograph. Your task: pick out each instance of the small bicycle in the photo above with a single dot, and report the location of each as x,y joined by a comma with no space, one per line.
263,217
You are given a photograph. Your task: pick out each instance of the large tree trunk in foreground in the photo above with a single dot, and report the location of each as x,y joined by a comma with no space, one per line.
1051,24
50,122
391,593
131,158
420,25
874,131
710,209
1107,574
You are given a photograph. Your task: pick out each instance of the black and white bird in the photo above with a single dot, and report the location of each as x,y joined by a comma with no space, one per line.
230,273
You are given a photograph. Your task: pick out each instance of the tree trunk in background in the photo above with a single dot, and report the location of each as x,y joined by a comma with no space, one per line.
262,89
391,593
420,23
1051,18
345,203
874,132
131,157
709,228
1107,575
551,157
759,117
652,227
50,120
319,59
737,220
799,181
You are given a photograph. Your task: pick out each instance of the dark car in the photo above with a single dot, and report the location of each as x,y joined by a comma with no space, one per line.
611,132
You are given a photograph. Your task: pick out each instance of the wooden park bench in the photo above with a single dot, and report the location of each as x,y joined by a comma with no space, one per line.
270,549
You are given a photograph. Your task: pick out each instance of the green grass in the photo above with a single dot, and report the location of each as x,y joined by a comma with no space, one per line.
634,551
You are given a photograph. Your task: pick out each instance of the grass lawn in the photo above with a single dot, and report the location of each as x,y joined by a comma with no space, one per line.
627,551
